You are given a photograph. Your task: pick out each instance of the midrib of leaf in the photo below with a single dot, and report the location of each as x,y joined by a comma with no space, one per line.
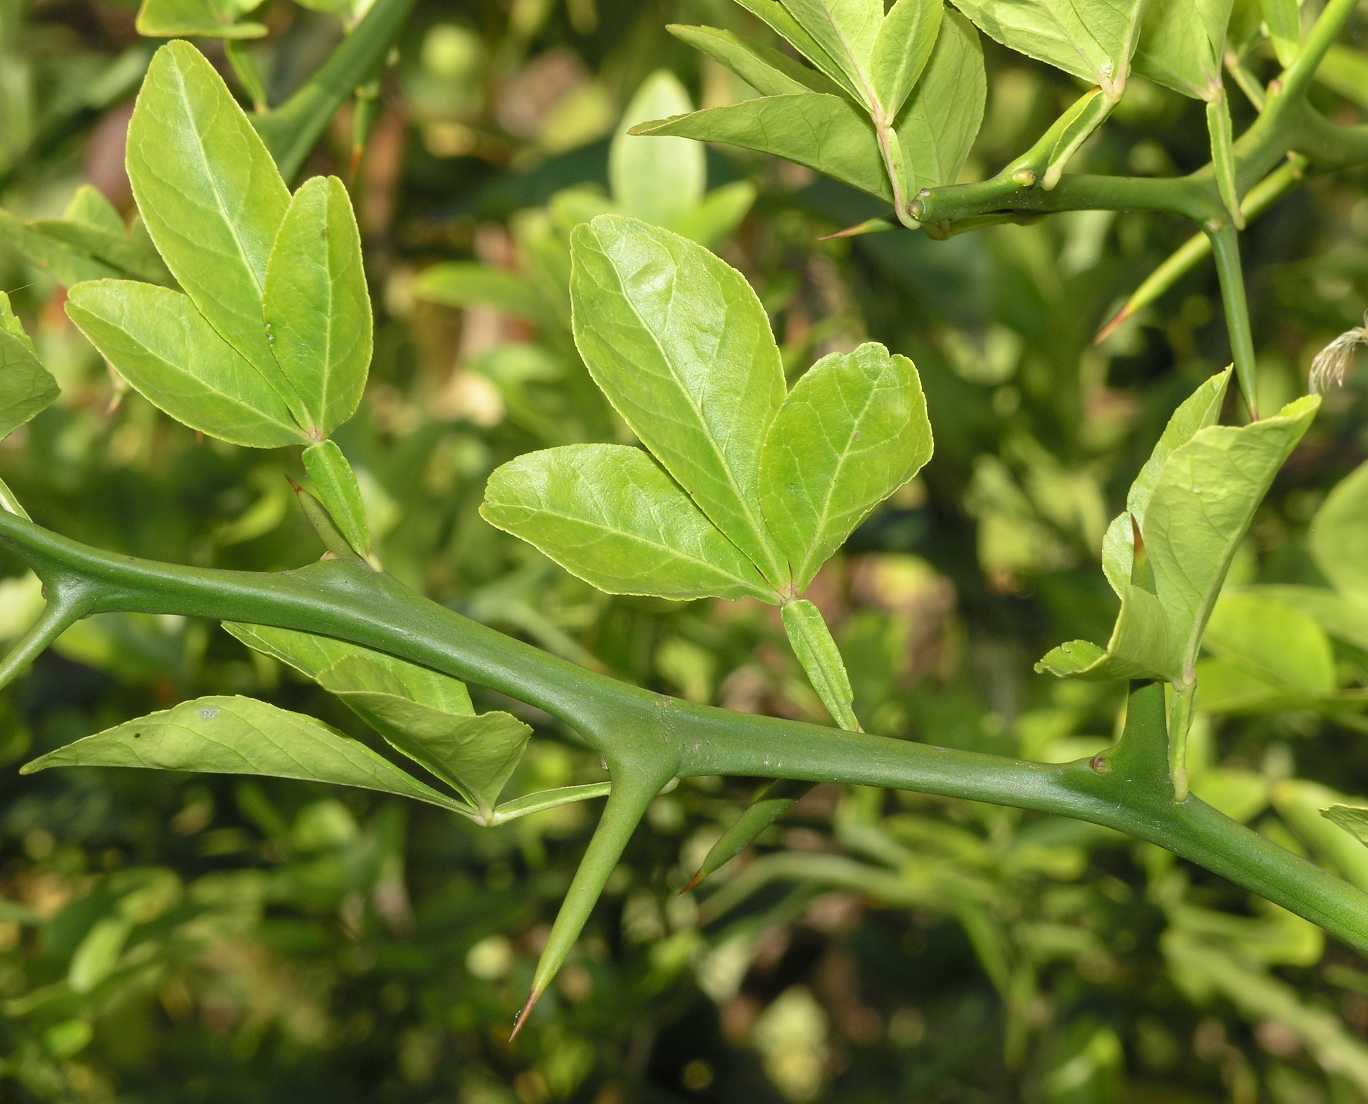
871,96
656,545
178,371
842,455
288,395
1083,23
756,528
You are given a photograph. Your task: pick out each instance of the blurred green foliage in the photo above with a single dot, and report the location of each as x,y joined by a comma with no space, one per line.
192,938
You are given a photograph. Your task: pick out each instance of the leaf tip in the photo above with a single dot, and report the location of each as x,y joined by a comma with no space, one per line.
694,882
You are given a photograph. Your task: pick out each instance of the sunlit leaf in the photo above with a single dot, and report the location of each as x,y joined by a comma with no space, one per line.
209,193
609,515
681,346
851,432
316,304
162,346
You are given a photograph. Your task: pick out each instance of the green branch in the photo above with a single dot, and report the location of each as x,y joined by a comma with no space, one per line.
291,129
648,738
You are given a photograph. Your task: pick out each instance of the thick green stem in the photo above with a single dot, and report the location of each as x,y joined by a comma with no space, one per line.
291,129
647,737
1225,246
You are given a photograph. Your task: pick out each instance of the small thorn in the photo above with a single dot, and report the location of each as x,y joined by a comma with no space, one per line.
1117,321
694,883
522,1017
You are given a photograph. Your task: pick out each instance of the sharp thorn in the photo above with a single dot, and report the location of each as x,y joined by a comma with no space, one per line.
526,1011
1116,322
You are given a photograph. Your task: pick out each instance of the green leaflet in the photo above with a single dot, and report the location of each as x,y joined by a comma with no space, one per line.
1339,534
679,343
232,735
466,283
196,18
935,128
609,515
65,262
210,195
846,31
1283,18
662,181
26,388
905,40
475,755
851,432
333,481
768,71
821,661
161,345
316,305
720,212
90,207
1265,654
1182,43
426,715
1192,504
312,655
1354,821
824,132
1092,39
89,242
780,19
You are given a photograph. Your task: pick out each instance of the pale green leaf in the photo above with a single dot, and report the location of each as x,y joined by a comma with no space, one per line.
209,193
26,388
851,432
609,515
538,802
311,655
473,754
470,283
1354,821
316,304
821,660
119,252
657,180
781,20
681,346
1344,615
233,735
1339,534
937,126
768,71
90,207
162,346
903,47
66,263
824,132
846,30
197,18
1283,18
1182,43
721,212
1202,507
333,481
1092,39
1193,502
1265,652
